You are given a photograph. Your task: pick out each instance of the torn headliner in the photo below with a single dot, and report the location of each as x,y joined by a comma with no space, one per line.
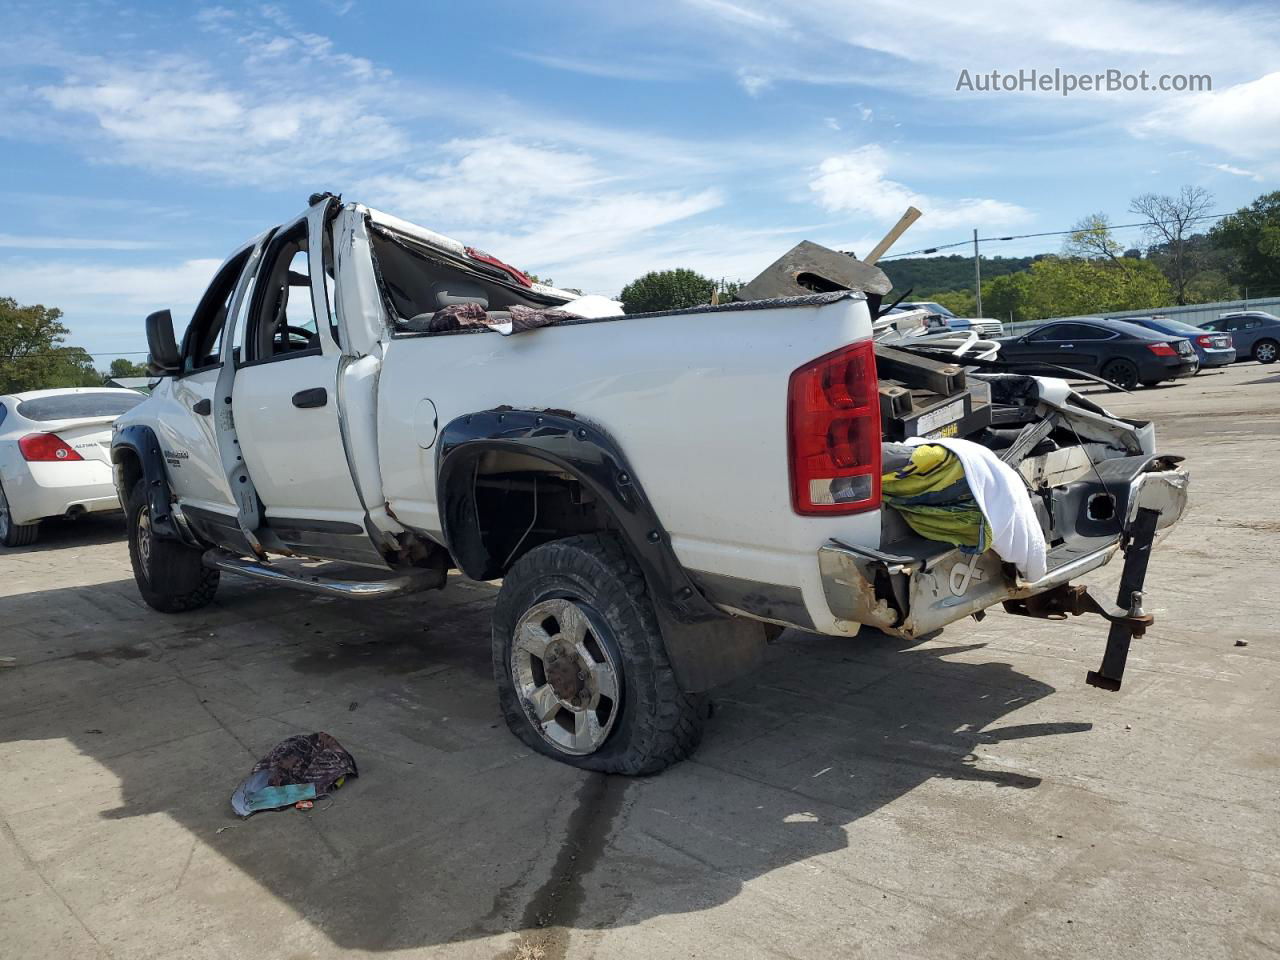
454,249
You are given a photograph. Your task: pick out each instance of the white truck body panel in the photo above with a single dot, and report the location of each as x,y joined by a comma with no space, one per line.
697,402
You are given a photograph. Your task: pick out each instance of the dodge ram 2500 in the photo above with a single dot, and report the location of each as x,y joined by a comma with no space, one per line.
658,493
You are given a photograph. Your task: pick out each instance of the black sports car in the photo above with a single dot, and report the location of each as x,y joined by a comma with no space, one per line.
1123,353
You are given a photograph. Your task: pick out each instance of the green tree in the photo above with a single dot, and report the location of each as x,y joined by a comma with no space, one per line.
1171,223
120,367
1091,240
667,290
1252,235
1071,286
1210,286
32,352
926,277
960,302
1008,297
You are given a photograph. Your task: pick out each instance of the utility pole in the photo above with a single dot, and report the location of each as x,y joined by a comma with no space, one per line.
977,274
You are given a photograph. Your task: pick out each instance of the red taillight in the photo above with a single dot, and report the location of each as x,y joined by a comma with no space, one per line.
1204,341
833,425
46,446
1162,350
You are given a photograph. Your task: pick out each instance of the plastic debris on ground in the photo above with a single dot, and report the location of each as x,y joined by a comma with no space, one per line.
296,772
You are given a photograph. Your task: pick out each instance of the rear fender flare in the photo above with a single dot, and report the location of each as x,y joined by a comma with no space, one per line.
140,441
706,646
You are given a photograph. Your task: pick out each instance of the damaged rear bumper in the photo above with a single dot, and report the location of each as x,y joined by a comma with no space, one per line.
914,595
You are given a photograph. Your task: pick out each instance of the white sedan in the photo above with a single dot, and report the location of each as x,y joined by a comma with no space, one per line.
55,456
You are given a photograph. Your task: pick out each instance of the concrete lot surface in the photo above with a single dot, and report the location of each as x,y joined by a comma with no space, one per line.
964,797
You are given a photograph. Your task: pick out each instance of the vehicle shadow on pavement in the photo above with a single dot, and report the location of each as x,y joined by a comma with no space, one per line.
453,830
62,533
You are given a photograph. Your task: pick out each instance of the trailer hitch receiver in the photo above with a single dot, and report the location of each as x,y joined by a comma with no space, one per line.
1127,618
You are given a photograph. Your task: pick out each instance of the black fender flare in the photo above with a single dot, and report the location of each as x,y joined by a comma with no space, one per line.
141,441
705,645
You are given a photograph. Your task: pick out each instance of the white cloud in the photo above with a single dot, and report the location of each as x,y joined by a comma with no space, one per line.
597,228
634,70
175,118
920,51
1234,171
754,83
27,242
95,289
740,14
940,36
1243,120
489,180
537,204
280,44
857,183
104,305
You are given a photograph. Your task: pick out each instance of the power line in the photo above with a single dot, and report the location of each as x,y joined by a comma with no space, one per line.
1050,233
67,352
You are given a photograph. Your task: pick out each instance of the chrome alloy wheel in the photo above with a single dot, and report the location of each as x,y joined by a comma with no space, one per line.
565,676
4,515
144,541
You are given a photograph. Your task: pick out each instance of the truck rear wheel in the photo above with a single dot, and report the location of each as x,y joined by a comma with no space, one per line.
171,576
581,668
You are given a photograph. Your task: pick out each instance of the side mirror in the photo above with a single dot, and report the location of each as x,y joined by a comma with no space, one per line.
164,357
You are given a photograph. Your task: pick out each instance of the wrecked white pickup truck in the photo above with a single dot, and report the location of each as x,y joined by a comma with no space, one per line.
658,493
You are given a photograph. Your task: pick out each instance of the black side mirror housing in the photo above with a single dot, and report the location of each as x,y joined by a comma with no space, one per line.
164,358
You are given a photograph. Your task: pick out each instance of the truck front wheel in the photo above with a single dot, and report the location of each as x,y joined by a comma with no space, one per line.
171,576
582,672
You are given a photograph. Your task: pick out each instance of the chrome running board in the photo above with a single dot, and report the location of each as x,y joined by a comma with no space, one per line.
414,582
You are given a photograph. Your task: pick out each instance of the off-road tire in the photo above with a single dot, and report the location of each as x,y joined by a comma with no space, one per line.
15,534
175,580
658,724
1266,351
1123,374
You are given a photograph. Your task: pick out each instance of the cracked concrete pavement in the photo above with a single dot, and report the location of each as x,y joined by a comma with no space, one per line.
968,796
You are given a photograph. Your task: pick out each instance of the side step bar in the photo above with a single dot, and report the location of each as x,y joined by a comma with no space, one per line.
360,590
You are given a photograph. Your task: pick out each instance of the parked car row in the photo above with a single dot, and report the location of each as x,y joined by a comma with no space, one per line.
55,456
1144,350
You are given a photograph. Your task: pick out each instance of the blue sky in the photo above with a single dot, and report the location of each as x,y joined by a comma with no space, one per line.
591,142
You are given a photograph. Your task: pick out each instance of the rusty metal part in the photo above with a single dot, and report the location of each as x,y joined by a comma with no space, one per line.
1075,600
913,370
811,268
1127,618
